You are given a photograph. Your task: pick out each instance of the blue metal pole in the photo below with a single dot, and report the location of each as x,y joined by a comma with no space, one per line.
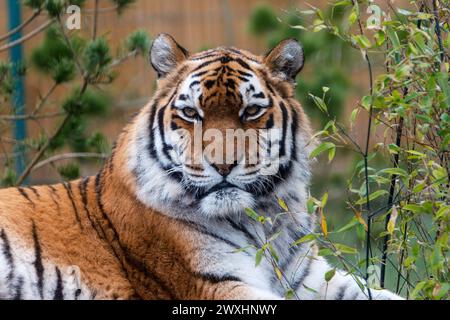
18,98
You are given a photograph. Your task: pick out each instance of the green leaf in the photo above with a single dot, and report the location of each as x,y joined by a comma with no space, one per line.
331,154
395,171
325,252
258,257
319,103
372,196
353,222
308,238
251,213
324,200
283,205
310,205
329,275
362,41
413,208
345,249
324,146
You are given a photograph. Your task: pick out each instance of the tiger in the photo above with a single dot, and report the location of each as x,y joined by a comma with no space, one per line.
160,221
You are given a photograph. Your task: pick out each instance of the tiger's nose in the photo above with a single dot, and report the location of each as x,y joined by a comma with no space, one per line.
223,169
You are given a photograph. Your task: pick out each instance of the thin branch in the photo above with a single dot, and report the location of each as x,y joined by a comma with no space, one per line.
438,30
41,152
366,165
31,116
69,44
21,26
45,98
94,28
102,10
390,199
67,156
118,61
47,144
26,37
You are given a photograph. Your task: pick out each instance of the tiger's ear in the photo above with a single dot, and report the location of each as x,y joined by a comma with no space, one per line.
286,59
166,54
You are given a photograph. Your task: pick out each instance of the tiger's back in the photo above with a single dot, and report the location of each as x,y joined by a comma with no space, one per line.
52,245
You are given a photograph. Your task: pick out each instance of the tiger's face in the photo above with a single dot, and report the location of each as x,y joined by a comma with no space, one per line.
223,132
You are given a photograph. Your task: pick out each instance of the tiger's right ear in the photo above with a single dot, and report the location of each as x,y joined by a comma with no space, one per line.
166,54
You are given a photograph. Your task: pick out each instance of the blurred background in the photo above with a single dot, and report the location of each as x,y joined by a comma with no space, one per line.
197,25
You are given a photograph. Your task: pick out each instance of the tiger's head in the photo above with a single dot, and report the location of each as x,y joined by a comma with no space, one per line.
223,131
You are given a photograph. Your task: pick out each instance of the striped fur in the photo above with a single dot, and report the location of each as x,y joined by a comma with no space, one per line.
149,226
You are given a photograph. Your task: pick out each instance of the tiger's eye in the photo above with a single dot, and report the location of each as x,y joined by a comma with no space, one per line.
189,112
251,110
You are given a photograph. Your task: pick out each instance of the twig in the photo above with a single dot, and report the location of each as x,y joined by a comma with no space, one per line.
69,44
41,152
45,98
68,156
44,148
26,37
101,10
402,255
366,165
31,116
21,26
438,30
94,28
391,197
118,61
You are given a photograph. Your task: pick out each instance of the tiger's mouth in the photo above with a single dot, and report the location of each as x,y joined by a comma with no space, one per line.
221,186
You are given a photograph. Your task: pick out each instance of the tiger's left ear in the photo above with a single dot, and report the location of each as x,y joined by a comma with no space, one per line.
286,59
166,54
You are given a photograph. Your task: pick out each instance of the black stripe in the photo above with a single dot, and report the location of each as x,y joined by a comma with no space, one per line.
34,190
354,296
245,74
38,266
240,228
294,127
152,146
165,148
58,295
6,248
200,73
215,278
18,287
305,273
209,84
206,63
243,63
151,143
209,55
270,123
202,229
68,188
52,195
82,186
285,124
341,292
25,195
128,257
194,83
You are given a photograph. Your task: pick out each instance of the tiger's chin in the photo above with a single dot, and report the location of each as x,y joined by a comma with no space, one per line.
225,202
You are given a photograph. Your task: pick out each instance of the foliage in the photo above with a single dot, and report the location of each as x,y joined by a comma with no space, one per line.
264,23
81,66
398,192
